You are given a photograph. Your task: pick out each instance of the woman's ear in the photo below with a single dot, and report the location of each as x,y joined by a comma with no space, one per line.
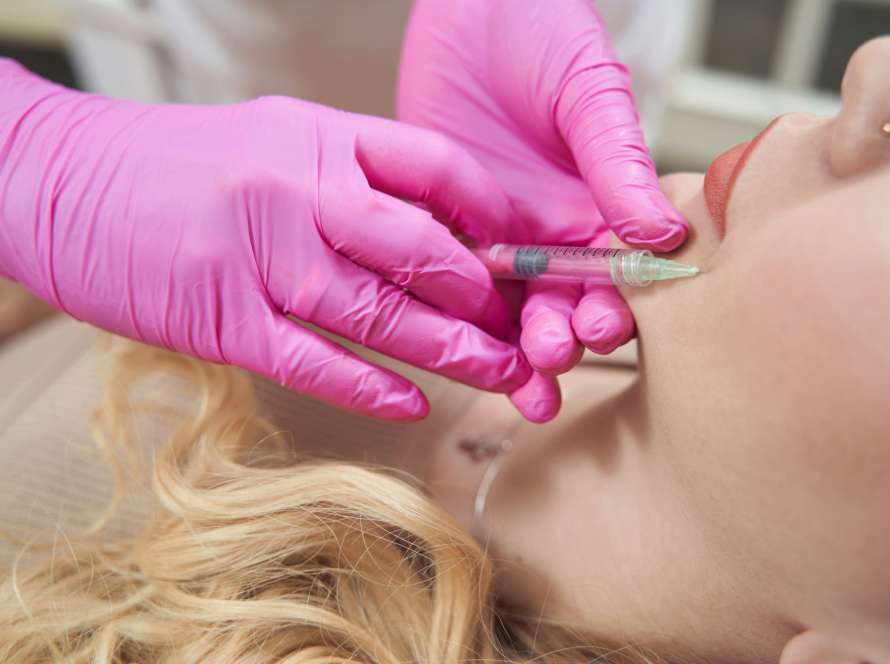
861,134
814,648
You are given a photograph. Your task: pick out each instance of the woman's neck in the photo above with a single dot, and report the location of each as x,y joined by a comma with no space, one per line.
589,521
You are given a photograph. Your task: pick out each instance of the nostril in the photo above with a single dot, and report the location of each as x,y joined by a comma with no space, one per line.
859,142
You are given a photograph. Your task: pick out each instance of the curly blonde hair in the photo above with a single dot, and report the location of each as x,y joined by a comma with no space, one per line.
259,557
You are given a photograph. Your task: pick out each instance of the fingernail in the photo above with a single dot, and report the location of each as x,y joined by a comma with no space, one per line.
677,228
604,333
662,229
672,237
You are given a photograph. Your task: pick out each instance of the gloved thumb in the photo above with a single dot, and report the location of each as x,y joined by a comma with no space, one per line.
597,119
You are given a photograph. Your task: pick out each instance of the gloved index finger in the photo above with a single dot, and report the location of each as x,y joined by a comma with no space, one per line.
405,245
306,362
596,117
426,167
383,317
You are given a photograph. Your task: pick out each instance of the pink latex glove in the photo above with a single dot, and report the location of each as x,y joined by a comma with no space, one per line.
533,90
200,228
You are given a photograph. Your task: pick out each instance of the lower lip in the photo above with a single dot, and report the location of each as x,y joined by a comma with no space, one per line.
718,182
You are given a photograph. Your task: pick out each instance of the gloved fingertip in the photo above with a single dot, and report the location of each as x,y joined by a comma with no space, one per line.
550,344
384,396
539,399
605,331
661,229
409,409
662,237
418,408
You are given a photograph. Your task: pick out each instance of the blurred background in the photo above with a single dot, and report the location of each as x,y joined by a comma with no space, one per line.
708,74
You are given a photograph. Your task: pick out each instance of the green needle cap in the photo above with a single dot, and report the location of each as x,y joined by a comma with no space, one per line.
666,269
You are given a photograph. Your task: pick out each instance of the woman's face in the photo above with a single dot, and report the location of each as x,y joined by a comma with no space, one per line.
734,503
767,377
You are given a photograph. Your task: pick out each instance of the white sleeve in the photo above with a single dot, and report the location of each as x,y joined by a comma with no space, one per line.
649,36
341,53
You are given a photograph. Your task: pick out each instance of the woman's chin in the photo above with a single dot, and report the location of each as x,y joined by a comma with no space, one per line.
684,191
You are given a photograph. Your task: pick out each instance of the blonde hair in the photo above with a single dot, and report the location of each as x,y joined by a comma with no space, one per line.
256,556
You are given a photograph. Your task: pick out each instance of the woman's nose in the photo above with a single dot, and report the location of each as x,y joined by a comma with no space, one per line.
861,133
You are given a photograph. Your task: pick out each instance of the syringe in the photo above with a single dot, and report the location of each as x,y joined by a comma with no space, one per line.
594,265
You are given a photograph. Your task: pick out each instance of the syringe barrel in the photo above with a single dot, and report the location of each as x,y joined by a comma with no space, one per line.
593,265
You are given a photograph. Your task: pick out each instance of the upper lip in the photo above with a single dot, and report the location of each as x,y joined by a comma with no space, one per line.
723,172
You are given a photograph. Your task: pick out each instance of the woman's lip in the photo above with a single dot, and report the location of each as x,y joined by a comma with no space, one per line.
723,173
719,179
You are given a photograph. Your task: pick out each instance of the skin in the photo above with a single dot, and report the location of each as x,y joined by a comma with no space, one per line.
733,502
19,310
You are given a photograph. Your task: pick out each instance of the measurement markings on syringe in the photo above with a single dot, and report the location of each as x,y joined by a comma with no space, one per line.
578,252
532,261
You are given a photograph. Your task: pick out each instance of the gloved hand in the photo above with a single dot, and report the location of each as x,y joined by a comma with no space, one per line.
199,229
533,90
